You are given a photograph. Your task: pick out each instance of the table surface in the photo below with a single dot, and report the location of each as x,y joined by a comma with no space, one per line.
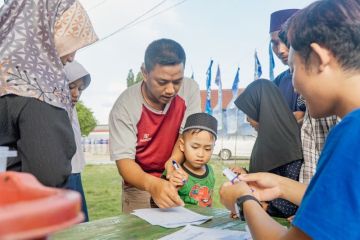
127,226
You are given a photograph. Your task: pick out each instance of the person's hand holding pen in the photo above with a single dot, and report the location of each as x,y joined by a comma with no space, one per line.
176,175
232,190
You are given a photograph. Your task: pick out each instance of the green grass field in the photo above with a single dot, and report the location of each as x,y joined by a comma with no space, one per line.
102,185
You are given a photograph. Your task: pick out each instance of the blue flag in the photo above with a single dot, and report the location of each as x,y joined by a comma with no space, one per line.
271,63
208,109
257,70
231,109
218,112
235,84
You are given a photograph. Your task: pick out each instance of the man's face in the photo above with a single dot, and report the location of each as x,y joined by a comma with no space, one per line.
162,83
317,87
279,48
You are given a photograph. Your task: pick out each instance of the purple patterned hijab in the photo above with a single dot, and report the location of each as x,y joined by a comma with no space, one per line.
34,34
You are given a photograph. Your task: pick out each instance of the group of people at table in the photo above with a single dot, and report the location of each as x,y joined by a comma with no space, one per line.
304,163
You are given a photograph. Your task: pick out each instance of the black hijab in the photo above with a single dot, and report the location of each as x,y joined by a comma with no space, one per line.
278,140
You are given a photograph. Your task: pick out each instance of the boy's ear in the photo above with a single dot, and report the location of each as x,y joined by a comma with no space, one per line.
181,146
144,72
322,55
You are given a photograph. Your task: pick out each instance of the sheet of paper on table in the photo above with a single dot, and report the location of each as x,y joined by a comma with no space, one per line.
171,217
199,233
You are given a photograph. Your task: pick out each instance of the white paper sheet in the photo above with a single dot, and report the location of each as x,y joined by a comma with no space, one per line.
199,233
170,217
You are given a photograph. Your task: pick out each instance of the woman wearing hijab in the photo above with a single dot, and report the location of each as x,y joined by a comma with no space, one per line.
278,146
37,38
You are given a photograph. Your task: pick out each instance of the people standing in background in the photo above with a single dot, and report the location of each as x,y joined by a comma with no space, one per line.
79,80
313,131
277,148
281,50
325,60
37,38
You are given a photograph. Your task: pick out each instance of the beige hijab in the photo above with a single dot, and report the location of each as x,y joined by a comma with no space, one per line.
73,30
34,34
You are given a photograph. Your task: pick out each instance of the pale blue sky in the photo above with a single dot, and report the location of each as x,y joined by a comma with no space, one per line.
228,31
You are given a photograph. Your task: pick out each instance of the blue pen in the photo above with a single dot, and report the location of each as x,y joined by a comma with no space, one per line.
176,166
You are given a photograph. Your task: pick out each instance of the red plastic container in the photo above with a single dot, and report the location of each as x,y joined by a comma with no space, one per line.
29,210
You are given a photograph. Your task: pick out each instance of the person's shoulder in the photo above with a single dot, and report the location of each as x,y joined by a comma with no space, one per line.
189,89
189,85
281,76
131,94
129,101
349,124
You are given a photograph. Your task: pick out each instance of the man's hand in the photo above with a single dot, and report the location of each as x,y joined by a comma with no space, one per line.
176,177
230,192
164,194
266,186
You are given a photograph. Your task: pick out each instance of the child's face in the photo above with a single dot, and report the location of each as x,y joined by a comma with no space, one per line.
76,89
253,123
316,81
197,147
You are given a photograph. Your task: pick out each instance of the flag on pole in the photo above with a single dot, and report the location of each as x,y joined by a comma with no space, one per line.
208,109
235,84
231,109
217,112
257,70
271,63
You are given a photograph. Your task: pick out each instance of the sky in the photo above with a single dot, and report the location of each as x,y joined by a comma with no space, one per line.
227,31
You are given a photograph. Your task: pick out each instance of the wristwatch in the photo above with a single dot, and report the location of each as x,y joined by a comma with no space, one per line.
239,205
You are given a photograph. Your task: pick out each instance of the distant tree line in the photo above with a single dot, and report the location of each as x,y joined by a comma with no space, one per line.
131,80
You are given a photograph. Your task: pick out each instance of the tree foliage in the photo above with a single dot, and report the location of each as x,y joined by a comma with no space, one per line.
86,118
139,77
130,78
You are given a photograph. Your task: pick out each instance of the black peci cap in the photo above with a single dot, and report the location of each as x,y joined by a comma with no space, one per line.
202,121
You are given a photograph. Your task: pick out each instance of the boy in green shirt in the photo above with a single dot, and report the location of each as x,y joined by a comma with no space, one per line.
197,144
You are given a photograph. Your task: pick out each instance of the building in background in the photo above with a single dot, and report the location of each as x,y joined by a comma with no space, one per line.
236,145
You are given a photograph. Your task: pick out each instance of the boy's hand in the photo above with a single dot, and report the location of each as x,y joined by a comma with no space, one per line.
164,194
176,177
176,181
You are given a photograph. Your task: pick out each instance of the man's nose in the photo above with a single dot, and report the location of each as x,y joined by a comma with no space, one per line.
170,90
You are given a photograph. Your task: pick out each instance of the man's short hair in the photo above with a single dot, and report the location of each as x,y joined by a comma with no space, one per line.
164,52
333,24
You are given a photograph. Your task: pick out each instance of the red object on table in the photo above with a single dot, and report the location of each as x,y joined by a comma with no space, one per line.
29,210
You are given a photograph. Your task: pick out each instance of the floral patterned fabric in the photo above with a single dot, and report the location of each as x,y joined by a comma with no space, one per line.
33,36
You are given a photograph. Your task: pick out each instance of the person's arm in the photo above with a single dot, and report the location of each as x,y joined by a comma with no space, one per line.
122,150
261,225
176,176
268,186
163,192
299,116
